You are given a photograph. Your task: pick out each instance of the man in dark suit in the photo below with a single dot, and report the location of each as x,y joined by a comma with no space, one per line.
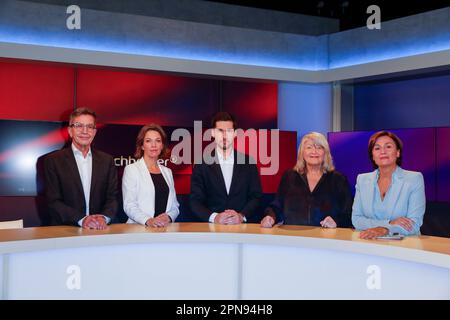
81,183
228,190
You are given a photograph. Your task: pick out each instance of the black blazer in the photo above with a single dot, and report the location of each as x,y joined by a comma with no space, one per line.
209,194
295,204
64,191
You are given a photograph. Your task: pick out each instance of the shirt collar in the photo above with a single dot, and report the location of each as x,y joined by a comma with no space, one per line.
395,174
230,159
77,152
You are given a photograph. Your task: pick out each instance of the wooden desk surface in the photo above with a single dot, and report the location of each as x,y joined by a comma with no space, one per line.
422,248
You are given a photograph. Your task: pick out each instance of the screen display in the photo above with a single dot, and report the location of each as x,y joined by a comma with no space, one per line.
24,145
350,154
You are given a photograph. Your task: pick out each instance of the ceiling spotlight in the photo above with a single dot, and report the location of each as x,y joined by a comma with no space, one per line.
344,6
320,5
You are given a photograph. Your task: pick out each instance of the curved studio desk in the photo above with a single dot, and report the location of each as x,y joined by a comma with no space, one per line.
206,261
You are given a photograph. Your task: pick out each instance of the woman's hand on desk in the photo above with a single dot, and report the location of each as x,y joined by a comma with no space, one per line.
161,220
267,222
328,222
372,233
403,222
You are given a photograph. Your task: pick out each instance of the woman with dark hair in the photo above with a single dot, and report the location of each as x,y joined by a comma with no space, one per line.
149,196
388,200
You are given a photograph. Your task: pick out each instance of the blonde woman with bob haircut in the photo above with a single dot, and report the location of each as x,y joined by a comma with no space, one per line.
313,192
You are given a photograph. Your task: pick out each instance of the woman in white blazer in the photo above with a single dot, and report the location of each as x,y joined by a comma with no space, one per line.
149,196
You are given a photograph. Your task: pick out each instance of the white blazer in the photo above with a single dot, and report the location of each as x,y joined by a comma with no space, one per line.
139,193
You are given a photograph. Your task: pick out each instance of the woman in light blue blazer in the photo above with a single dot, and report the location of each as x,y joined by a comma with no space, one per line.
149,196
388,200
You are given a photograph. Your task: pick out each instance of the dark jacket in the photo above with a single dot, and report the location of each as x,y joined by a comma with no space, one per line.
295,204
209,194
64,191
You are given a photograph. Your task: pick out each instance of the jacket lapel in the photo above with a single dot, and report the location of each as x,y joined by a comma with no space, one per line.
368,197
73,170
145,175
236,171
217,173
96,164
396,188
147,187
165,175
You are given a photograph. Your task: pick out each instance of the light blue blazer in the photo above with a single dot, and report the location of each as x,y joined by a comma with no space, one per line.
404,198
139,193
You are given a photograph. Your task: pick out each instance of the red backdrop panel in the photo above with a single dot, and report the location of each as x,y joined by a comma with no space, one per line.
255,104
283,157
139,98
35,91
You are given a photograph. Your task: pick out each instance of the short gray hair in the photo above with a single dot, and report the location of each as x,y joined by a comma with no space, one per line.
316,138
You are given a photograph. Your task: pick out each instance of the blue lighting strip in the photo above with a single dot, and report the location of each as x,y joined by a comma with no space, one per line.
310,59
356,56
73,40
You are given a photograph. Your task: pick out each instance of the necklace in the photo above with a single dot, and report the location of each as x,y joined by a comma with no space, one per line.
152,167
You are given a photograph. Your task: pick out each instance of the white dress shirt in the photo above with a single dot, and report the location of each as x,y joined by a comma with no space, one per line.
84,165
226,166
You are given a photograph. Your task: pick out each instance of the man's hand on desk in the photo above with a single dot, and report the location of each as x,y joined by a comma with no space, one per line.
267,222
229,217
94,221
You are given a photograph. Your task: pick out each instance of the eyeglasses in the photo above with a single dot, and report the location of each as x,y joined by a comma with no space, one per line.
316,146
80,126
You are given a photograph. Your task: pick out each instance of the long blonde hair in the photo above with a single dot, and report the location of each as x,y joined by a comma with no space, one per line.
316,138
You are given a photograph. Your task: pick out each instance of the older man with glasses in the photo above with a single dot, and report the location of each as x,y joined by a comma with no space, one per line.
81,183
